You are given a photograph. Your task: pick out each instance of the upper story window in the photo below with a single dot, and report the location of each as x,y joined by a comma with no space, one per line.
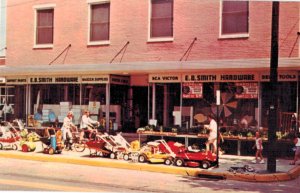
99,23
161,20
235,21
44,26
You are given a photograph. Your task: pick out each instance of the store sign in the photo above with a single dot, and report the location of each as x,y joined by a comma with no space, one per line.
101,79
282,76
16,80
221,77
164,78
121,80
192,90
246,90
53,80
2,80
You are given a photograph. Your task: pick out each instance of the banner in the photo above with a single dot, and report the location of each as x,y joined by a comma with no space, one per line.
246,90
192,90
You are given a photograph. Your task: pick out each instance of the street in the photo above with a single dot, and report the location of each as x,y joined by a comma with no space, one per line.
24,175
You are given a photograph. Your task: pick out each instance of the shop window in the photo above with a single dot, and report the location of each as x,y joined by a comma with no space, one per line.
99,22
161,19
235,17
44,26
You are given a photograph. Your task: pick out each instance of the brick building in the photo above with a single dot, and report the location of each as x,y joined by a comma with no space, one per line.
148,59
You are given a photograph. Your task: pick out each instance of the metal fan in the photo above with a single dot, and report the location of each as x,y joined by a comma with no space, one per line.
228,104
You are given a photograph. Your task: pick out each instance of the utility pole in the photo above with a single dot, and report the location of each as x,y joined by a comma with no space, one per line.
273,97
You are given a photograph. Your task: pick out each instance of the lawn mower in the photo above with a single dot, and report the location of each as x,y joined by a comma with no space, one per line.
193,158
157,151
9,136
52,140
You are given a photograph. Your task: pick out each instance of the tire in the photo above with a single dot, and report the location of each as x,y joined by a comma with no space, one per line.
79,147
126,157
51,151
1,146
168,161
25,148
113,156
142,158
14,147
179,162
205,164
46,150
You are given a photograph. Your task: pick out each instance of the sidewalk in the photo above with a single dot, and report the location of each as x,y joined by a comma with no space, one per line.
284,170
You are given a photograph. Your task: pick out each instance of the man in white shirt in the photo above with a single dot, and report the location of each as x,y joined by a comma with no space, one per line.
86,124
212,136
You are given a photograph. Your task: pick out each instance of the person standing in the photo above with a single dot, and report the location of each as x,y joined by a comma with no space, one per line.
212,136
67,126
259,147
297,150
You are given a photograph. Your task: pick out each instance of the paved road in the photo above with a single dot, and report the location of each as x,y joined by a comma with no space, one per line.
48,176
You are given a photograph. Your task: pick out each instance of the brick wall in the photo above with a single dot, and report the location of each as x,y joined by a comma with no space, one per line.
129,22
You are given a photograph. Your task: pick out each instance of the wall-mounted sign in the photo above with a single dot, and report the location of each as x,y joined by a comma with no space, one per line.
53,80
164,78
192,90
122,80
221,77
100,79
283,76
16,80
246,90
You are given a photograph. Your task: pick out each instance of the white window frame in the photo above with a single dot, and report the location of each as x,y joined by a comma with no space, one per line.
158,39
36,9
90,4
231,36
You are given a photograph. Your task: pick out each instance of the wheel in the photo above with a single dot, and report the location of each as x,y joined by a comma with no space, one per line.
46,150
113,156
142,158
205,164
126,157
51,151
179,162
79,147
14,147
168,161
25,148
1,146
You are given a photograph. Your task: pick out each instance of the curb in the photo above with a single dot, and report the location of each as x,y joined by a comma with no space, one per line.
248,177
184,171
105,163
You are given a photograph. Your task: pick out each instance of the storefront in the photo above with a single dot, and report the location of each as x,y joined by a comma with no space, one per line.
184,100
56,95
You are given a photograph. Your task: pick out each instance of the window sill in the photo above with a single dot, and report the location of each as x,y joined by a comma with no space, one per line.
167,39
234,36
99,43
43,46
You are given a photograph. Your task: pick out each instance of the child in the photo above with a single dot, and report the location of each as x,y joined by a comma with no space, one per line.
259,148
297,150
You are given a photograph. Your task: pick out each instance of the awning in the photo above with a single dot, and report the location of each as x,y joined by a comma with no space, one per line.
149,67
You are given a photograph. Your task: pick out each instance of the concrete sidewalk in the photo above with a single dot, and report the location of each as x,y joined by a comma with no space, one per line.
284,170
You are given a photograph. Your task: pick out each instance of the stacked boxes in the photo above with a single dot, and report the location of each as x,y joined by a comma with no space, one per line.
94,107
45,117
64,109
77,115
